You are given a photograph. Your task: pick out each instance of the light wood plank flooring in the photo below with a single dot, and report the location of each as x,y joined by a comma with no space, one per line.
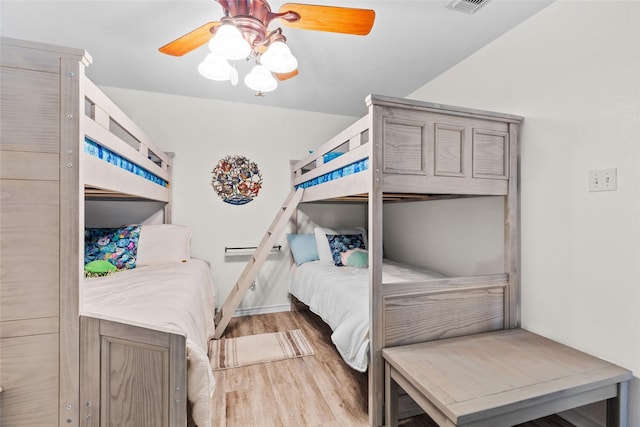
319,390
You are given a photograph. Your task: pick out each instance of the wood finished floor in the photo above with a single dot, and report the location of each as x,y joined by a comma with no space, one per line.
319,390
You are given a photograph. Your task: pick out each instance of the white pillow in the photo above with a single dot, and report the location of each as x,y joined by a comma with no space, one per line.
163,243
324,250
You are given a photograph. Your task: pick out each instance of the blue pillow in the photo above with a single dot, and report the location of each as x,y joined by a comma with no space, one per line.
303,247
339,243
119,246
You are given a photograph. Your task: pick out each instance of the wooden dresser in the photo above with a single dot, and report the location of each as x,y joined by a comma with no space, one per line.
41,212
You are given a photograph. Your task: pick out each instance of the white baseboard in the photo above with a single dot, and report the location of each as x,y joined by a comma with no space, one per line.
262,310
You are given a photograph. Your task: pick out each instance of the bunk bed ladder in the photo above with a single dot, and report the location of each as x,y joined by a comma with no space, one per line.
248,275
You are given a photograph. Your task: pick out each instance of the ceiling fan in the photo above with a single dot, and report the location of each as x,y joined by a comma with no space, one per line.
243,32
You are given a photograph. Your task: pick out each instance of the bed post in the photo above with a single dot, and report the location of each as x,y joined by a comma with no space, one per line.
512,234
168,208
376,333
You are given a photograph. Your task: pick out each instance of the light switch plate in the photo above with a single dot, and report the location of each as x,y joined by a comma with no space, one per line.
603,180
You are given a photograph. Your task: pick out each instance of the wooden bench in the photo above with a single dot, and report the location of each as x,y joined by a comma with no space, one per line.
501,379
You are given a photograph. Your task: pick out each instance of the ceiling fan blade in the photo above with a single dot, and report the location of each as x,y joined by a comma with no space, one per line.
329,18
190,41
286,76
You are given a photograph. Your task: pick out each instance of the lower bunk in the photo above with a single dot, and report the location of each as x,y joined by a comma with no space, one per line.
144,337
419,304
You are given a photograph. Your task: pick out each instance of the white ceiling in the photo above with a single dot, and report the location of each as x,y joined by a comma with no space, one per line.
411,43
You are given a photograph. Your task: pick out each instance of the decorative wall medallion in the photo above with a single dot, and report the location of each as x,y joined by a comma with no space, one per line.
236,179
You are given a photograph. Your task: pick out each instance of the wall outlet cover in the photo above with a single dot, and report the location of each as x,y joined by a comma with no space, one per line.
603,180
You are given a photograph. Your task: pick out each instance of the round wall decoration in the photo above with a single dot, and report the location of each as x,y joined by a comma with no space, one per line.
236,179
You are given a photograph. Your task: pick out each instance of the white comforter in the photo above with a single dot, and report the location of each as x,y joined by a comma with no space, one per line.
174,296
340,296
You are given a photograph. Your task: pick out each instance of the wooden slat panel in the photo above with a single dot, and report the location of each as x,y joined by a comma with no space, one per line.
29,213
429,316
490,154
449,150
357,154
38,56
443,284
101,174
40,325
29,165
356,183
30,106
98,97
404,145
29,380
393,103
444,185
346,135
108,140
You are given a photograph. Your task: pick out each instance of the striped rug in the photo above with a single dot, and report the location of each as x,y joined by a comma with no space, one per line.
251,349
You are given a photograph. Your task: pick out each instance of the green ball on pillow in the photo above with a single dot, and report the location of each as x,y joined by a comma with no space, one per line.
99,267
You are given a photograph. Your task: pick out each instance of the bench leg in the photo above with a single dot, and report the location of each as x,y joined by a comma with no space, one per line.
617,407
390,398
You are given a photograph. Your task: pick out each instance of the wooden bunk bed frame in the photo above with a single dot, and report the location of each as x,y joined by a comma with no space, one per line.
421,151
49,108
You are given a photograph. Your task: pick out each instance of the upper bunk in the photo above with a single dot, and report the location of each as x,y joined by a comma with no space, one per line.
51,101
414,150
120,161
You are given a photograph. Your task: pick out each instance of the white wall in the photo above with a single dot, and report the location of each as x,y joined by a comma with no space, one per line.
443,235
201,132
573,72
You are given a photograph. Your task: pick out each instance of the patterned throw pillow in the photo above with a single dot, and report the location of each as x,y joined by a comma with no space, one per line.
343,242
119,246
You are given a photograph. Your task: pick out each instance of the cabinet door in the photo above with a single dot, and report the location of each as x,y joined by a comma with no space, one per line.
29,378
131,376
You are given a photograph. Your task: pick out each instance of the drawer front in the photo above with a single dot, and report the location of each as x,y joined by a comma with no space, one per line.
29,378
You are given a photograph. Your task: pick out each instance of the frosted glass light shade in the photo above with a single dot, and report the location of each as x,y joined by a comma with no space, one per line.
260,79
229,43
279,59
215,67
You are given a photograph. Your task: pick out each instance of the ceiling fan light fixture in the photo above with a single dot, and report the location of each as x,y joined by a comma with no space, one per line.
278,58
260,79
229,43
215,67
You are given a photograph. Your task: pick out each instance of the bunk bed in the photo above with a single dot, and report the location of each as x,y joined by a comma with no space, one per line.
405,150
64,142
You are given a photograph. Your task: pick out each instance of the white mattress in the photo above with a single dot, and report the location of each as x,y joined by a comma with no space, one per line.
174,296
340,296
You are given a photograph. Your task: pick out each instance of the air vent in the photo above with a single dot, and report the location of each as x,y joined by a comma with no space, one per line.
467,6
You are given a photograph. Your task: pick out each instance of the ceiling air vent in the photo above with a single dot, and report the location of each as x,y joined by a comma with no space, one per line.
467,6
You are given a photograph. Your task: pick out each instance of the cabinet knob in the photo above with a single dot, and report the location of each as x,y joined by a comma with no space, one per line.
1,389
